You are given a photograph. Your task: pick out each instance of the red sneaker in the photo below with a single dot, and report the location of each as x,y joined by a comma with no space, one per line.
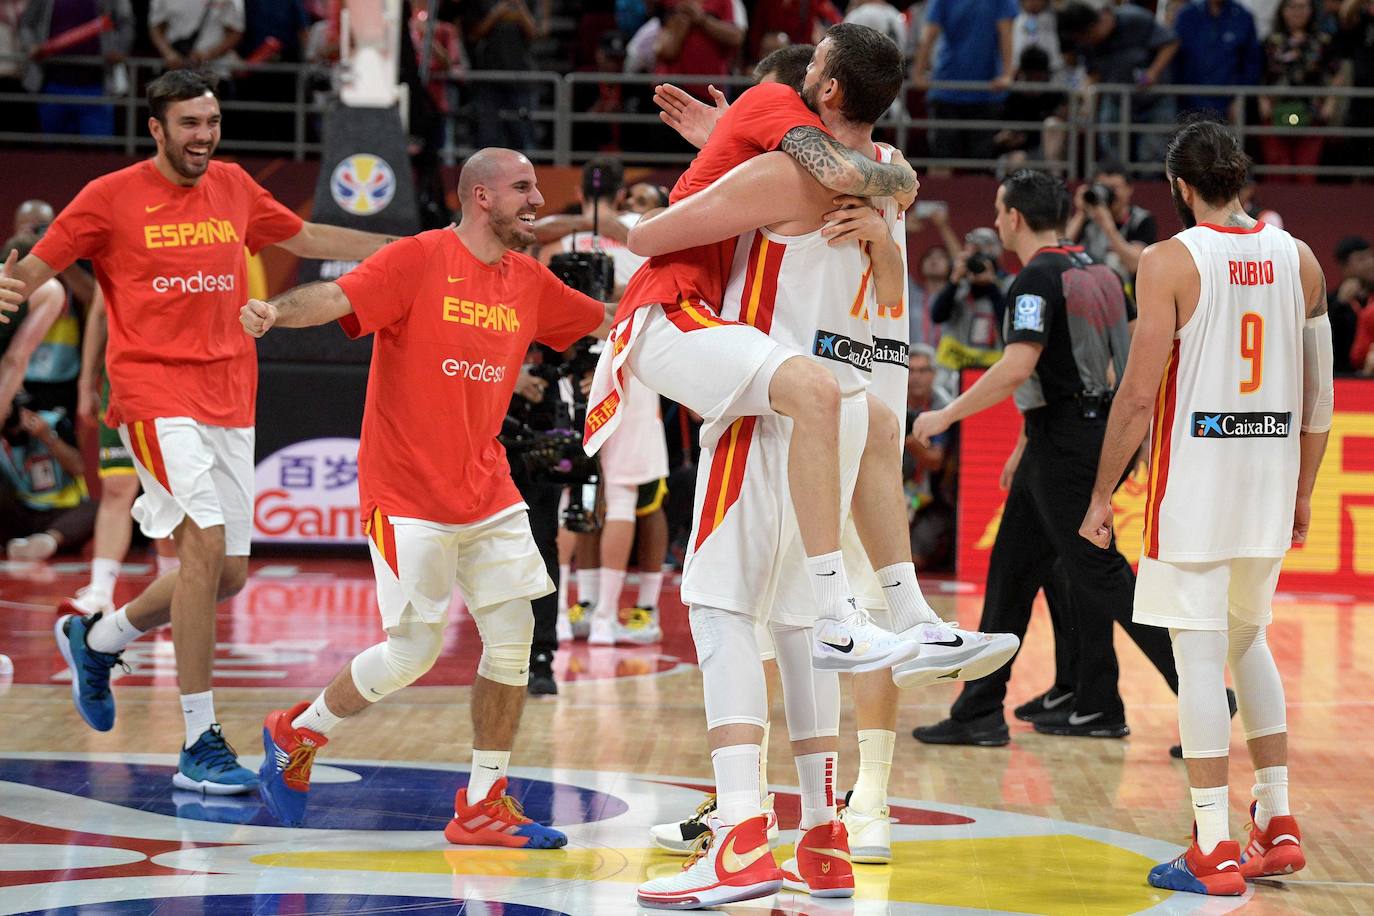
1276,850
289,753
498,820
732,863
822,866
1216,874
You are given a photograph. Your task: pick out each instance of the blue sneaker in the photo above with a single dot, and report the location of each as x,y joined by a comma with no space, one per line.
211,766
1216,873
90,670
284,777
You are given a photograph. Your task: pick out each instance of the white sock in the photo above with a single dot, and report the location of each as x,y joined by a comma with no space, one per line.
104,575
763,762
587,583
317,717
113,632
1211,812
608,594
564,573
199,711
1271,791
487,767
904,599
650,588
166,564
875,766
737,782
830,585
816,775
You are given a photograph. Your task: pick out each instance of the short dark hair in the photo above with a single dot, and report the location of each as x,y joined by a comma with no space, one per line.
602,177
868,66
787,64
1075,18
1207,156
1347,246
1034,59
1040,198
1110,167
178,86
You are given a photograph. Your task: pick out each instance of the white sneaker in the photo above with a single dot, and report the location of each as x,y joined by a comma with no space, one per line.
88,601
953,654
6,666
35,548
640,627
563,629
870,834
731,863
580,619
681,837
856,644
601,632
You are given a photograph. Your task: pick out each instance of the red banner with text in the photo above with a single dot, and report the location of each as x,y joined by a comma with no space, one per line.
1339,553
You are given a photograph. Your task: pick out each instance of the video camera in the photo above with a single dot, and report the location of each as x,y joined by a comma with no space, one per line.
1099,195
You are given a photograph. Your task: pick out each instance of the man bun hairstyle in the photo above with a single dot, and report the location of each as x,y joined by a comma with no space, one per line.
178,86
868,66
1208,157
1040,198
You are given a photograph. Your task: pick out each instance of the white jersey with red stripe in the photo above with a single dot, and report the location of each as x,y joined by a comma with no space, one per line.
1225,448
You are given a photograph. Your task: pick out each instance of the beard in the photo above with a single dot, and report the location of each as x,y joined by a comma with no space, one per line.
1185,213
811,96
512,232
184,164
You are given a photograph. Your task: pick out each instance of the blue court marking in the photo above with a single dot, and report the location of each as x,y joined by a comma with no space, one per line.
295,905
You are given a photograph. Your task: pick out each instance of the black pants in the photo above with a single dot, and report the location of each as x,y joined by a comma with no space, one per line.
76,525
542,498
1048,498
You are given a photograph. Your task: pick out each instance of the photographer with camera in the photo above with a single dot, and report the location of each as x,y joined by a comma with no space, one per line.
970,308
1110,228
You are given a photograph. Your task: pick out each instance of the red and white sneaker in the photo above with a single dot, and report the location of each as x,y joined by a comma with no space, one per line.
822,866
733,863
87,602
498,820
1275,850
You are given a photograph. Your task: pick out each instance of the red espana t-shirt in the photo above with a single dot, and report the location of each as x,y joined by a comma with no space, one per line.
754,124
452,332
170,261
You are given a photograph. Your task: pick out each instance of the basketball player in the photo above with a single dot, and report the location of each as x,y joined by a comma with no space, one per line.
454,312
1232,352
167,238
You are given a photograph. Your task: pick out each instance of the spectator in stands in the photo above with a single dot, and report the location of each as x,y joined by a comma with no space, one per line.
1355,43
932,275
283,22
929,510
645,196
1297,55
499,35
1362,350
1349,301
1218,46
803,21
970,308
44,20
1039,106
1329,17
974,39
880,16
198,33
17,116
698,36
32,217
1036,27
1108,225
1123,44
44,506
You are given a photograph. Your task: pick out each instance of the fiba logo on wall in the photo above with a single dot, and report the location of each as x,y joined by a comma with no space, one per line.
362,184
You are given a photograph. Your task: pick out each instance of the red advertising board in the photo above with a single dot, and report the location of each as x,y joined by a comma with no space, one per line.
1338,556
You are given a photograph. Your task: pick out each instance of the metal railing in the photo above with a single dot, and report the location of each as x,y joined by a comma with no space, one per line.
549,110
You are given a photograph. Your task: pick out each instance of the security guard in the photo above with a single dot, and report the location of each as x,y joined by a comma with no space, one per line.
1067,335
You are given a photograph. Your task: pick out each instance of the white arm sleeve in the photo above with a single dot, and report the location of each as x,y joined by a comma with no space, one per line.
1318,396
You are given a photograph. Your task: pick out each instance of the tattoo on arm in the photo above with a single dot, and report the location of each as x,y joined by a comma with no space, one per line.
1320,308
840,168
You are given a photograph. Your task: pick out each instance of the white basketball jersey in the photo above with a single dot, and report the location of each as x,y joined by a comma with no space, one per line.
1224,455
890,325
626,261
808,296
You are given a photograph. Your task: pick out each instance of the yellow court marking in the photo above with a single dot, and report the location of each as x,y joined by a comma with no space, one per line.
1050,874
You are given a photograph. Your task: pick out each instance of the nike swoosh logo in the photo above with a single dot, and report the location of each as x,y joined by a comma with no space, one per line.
1058,701
848,647
954,643
1076,719
456,279
734,862
831,573
148,209
893,585
485,767
1208,805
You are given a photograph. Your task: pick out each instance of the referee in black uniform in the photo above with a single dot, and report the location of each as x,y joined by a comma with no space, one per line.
1067,336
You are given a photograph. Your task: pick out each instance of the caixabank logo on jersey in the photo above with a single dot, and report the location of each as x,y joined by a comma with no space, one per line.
1254,425
891,352
857,353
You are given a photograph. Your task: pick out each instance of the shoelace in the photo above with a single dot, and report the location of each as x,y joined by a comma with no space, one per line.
217,751
96,671
700,846
576,613
302,759
639,619
507,808
703,809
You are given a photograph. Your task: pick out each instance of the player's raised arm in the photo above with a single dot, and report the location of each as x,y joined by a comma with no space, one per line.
767,189
322,241
848,171
303,307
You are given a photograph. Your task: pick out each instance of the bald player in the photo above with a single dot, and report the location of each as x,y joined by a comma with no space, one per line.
454,311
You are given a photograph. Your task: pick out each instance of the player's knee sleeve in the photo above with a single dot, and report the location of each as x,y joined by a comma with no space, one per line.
1259,689
731,673
621,499
1204,720
507,629
411,648
811,698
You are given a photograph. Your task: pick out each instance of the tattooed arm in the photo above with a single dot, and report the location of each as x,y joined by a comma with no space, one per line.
847,171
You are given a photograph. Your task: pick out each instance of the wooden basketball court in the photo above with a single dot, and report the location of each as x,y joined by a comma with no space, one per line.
90,823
